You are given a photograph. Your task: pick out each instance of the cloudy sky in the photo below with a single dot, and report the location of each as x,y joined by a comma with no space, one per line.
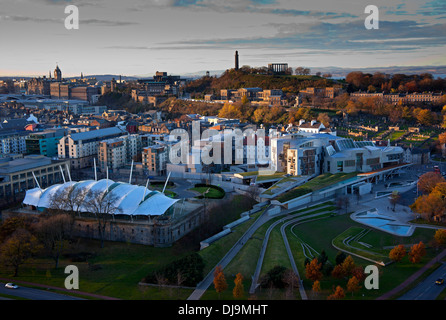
139,37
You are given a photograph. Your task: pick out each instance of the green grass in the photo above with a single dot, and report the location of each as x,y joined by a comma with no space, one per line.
315,184
328,229
357,248
217,250
212,193
122,266
396,135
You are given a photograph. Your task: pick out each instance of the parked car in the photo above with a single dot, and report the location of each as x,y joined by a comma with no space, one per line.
11,285
439,281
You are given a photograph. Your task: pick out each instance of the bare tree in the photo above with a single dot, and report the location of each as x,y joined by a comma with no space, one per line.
53,232
102,205
68,201
292,281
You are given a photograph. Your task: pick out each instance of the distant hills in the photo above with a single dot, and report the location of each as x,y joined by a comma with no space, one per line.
336,72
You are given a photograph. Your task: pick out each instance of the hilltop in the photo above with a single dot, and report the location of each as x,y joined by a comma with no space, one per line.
248,78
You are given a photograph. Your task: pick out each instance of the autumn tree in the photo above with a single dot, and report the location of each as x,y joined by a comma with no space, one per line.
316,287
344,269
440,237
429,181
430,206
230,111
238,290
353,285
18,249
220,283
397,253
313,270
417,252
324,119
338,294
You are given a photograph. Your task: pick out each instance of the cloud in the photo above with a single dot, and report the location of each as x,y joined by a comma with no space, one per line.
98,22
392,35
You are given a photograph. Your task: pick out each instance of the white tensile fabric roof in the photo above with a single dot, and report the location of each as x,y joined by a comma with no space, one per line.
129,199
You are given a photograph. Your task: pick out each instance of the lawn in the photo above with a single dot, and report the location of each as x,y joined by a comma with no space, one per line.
396,135
315,184
118,269
213,193
328,229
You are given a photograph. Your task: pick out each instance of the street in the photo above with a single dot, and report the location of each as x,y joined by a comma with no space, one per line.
427,289
34,294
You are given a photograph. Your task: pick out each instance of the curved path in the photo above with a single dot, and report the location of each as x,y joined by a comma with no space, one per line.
207,281
256,275
297,221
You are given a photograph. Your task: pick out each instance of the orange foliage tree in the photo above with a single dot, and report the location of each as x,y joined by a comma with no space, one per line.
397,253
429,181
338,294
313,270
353,285
238,290
417,252
440,237
220,283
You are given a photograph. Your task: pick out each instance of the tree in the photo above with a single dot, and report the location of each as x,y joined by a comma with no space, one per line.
344,269
353,285
394,199
274,278
230,111
292,281
313,270
348,266
102,205
316,287
397,253
429,181
324,119
238,290
440,237
430,206
54,232
338,294
18,249
340,257
220,283
417,252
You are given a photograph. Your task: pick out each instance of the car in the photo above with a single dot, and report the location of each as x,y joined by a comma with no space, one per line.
439,281
11,285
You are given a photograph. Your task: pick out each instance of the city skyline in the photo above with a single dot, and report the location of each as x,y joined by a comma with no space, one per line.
178,36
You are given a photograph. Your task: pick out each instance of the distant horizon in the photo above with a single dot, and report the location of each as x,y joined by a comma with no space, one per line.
199,72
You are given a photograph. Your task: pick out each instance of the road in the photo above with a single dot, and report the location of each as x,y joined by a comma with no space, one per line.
34,294
427,290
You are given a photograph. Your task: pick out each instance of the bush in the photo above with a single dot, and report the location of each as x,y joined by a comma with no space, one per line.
190,267
274,278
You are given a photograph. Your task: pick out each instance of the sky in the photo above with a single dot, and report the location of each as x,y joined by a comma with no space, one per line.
140,37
